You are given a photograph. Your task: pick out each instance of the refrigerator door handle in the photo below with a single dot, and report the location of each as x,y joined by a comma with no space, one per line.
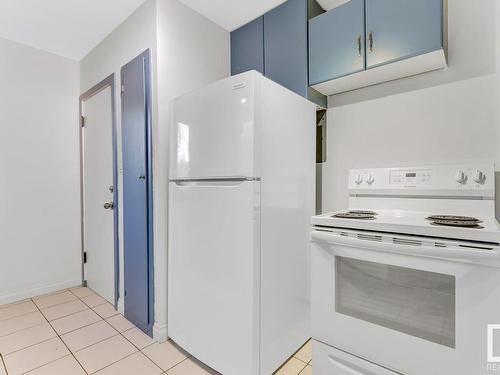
214,182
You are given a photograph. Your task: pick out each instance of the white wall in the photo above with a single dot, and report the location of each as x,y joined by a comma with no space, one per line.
448,115
136,34
39,169
188,51
192,52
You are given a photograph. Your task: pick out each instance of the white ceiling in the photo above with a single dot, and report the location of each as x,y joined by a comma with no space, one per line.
330,4
231,14
70,28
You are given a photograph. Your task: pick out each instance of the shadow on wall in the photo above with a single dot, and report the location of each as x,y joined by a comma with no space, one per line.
472,35
497,195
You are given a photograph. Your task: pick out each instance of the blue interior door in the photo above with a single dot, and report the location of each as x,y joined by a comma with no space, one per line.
398,29
336,42
136,192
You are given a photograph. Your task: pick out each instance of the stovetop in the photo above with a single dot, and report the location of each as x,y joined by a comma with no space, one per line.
459,226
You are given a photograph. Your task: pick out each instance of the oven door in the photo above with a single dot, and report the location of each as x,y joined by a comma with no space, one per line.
412,308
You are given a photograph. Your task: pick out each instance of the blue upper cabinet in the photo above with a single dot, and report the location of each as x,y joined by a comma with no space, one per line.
336,42
285,45
247,47
398,29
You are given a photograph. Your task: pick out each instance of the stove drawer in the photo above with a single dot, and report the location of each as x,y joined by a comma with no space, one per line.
327,361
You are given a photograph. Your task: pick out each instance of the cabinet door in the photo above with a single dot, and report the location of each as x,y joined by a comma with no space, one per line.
336,42
285,45
398,29
247,47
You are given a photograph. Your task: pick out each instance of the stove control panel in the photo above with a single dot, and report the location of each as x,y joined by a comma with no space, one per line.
411,177
460,180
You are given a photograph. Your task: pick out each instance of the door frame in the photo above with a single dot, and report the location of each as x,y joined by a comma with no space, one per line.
148,97
105,83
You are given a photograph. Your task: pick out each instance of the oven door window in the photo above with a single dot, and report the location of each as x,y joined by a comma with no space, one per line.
418,303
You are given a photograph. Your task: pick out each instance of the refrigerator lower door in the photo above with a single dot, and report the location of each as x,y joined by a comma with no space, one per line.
214,269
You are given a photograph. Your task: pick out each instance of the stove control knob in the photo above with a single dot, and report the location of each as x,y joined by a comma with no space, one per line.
479,177
370,179
460,177
359,179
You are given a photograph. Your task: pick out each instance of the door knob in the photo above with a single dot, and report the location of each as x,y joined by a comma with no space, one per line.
142,177
109,206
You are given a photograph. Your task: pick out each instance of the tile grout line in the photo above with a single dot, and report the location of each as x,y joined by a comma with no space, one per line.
118,333
92,307
177,364
95,343
71,353
23,314
29,346
126,338
76,329
57,304
2,364
111,364
65,316
24,329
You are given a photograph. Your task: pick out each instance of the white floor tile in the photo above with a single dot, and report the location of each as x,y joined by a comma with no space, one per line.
82,292
75,321
165,355
93,300
106,310
292,367
64,366
308,370
88,335
120,323
35,356
54,299
135,364
191,366
17,309
10,326
27,337
305,353
34,349
104,353
138,338
65,309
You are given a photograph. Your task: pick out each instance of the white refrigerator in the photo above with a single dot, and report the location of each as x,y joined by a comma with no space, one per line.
242,191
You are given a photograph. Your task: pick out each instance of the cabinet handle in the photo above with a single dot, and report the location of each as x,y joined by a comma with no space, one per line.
359,46
370,41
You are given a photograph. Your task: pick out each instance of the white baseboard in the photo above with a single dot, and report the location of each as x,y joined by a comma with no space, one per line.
19,295
121,306
160,333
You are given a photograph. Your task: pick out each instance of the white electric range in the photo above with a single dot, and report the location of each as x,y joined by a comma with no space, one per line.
407,279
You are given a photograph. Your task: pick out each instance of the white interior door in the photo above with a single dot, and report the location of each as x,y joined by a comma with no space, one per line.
98,190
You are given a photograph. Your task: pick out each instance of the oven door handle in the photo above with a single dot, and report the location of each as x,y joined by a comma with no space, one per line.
386,244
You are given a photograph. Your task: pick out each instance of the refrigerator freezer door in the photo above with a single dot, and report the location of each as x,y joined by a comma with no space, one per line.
214,267
213,130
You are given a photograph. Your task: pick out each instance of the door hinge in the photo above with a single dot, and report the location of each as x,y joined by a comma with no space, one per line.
84,257
122,89
82,121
